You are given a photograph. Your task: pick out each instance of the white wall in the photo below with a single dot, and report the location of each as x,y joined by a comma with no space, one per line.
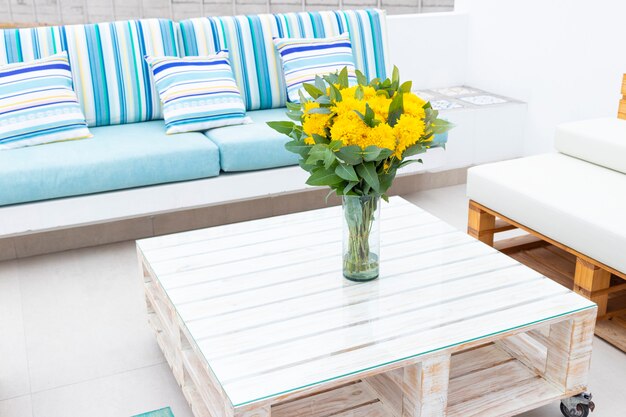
429,49
565,58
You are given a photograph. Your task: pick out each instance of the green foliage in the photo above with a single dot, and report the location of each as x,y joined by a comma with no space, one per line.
350,170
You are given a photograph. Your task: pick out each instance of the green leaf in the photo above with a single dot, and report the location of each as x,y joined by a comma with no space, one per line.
320,139
316,154
375,82
324,177
335,94
323,100
350,154
305,166
367,171
361,79
299,147
312,90
303,98
409,162
414,150
385,197
386,180
441,126
320,110
406,87
396,108
293,106
329,158
335,145
282,127
346,172
374,153
349,187
319,83
359,93
395,77
296,116
342,80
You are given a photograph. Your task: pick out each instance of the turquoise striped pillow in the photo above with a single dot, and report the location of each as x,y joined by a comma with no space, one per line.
253,56
303,59
38,104
197,93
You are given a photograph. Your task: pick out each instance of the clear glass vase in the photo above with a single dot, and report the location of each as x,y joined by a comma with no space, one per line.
361,237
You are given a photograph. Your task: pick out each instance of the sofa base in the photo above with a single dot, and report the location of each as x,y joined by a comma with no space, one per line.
594,280
178,219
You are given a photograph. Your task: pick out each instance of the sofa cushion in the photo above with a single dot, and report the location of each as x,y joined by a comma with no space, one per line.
578,204
303,59
197,93
253,56
116,157
600,141
111,78
253,146
38,104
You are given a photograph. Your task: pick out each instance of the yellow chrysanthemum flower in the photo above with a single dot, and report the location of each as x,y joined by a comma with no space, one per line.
380,106
349,129
314,124
382,136
408,131
413,105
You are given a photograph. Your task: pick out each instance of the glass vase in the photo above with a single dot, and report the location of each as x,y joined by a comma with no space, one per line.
361,237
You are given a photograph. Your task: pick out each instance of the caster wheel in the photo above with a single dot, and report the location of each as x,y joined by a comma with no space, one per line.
582,410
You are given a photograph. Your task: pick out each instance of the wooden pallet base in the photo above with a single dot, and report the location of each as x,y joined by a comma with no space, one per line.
502,377
558,263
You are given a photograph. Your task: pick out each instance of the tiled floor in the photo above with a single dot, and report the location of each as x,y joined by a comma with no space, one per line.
74,341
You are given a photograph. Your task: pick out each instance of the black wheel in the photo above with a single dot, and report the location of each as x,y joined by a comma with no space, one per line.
582,410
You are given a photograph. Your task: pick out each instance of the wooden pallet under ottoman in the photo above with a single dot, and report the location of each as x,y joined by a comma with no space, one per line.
603,285
591,155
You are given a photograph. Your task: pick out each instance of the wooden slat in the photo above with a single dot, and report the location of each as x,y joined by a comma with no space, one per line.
518,243
553,242
622,104
327,403
527,350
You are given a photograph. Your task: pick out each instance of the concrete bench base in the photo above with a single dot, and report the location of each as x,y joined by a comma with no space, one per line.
187,215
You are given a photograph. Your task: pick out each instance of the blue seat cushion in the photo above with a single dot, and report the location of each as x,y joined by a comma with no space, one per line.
116,157
253,146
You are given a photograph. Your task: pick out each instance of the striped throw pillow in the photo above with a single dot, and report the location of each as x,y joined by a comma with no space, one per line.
38,104
303,59
197,93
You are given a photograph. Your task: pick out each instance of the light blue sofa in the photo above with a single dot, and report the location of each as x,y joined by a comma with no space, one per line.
129,147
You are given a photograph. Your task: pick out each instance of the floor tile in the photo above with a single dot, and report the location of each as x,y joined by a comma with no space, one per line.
13,361
448,203
84,315
120,395
16,407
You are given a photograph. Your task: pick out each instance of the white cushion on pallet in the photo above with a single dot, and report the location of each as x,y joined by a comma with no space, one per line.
599,141
578,204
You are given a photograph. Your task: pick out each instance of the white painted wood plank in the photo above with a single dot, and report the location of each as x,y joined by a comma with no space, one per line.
398,313
313,372
259,266
203,307
396,230
442,317
171,246
459,266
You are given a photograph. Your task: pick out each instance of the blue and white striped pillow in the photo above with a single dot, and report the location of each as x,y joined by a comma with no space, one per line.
197,93
303,59
38,104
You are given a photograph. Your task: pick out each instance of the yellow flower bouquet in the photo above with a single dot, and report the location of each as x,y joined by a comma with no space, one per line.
354,139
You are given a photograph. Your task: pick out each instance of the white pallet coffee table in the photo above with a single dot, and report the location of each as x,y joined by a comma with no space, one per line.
255,319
